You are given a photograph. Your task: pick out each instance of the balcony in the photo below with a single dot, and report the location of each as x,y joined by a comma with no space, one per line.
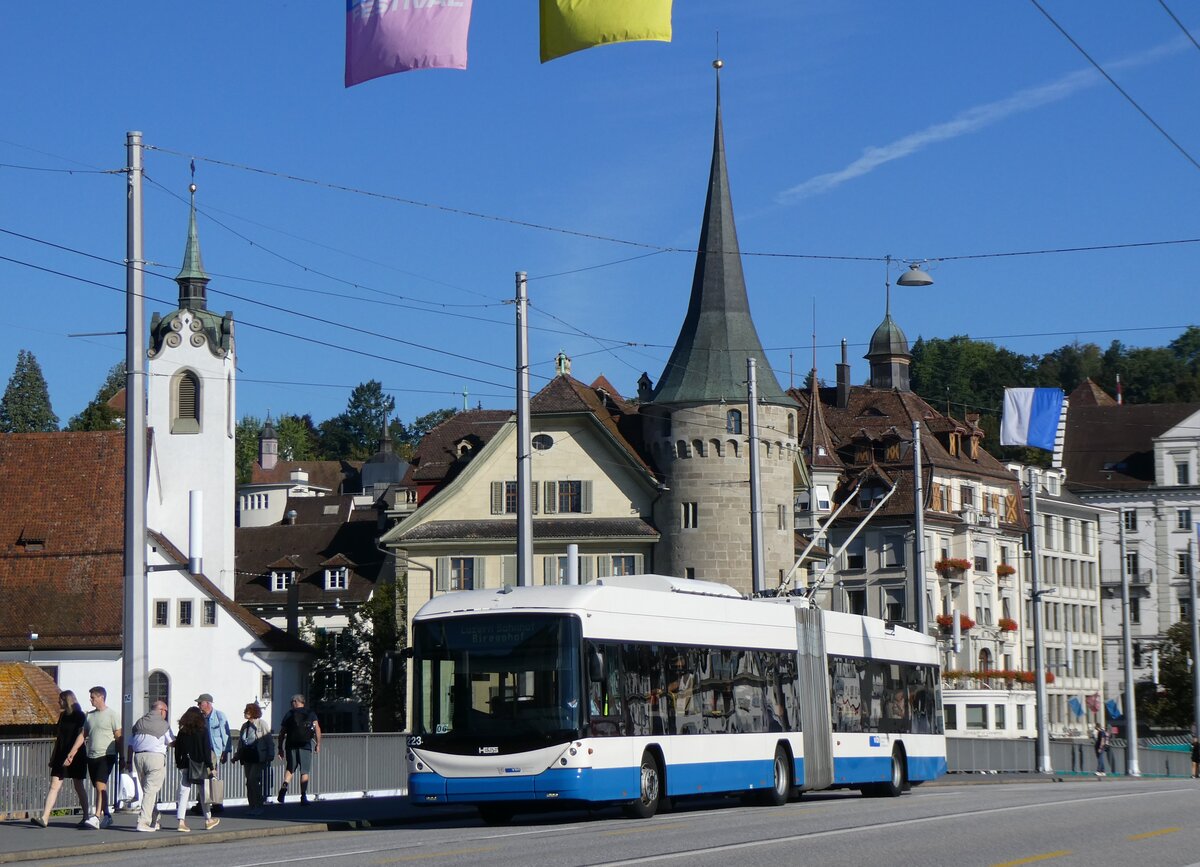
1112,578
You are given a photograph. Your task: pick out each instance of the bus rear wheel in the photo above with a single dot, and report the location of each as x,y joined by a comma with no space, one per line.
781,788
894,787
650,789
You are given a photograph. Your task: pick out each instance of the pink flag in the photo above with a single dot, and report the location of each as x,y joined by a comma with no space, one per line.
386,36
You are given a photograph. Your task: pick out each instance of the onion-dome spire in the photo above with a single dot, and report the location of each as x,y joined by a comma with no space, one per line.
192,278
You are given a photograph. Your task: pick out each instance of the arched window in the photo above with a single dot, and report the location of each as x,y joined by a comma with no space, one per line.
715,445
733,421
985,660
733,448
185,403
158,689
791,425
698,448
681,448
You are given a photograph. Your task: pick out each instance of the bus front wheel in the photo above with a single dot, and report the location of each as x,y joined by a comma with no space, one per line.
650,789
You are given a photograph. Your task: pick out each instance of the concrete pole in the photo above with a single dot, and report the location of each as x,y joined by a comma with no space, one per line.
756,529
134,642
919,533
1131,749
1039,649
524,446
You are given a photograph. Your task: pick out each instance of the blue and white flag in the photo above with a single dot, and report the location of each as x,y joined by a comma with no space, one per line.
1114,712
1075,705
1031,417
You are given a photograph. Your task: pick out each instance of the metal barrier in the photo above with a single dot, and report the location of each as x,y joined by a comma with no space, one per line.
1074,757
357,765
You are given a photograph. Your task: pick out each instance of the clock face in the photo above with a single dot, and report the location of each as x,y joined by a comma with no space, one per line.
541,442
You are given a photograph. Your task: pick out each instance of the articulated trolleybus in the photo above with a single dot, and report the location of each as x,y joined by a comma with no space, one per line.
632,689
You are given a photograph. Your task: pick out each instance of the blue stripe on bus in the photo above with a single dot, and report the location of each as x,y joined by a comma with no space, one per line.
877,769
592,784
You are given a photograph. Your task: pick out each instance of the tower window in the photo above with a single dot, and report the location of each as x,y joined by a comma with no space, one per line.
733,421
185,401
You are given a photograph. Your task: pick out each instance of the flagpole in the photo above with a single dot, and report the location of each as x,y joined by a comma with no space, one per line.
1039,650
1131,744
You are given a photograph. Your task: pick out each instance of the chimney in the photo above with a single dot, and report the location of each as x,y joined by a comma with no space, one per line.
300,476
289,517
293,609
843,379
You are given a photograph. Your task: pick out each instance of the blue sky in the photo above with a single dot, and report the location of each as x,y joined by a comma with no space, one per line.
854,130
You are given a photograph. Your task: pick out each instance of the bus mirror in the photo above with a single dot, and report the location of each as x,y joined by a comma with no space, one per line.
595,666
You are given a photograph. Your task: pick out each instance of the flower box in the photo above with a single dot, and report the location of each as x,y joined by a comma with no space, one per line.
1007,624
952,567
946,622
1006,569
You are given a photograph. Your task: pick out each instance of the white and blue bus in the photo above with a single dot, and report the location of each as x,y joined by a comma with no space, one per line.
633,689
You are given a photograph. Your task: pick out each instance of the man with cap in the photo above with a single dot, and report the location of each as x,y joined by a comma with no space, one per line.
299,738
218,735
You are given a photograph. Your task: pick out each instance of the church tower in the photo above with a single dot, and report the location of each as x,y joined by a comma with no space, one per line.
191,415
696,421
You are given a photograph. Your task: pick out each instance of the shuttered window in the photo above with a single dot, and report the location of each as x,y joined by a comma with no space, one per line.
187,404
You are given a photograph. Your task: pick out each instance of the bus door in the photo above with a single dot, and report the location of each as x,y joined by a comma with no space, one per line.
814,699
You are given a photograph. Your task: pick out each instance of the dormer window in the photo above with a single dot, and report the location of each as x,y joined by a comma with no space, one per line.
282,579
462,448
337,578
185,403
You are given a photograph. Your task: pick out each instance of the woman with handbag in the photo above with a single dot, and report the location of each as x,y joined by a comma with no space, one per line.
194,758
255,753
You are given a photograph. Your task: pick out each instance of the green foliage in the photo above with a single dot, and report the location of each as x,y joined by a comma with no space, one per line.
342,670
1172,706
25,407
245,447
298,438
354,435
98,415
385,637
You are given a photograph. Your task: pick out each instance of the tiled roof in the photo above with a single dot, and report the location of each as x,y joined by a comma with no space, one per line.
67,488
328,510
436,459
879,415
566,395
1112,446
543,528
1087,393
308,549
340,477
28,696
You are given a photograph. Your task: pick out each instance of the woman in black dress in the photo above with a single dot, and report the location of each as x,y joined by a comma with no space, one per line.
70,724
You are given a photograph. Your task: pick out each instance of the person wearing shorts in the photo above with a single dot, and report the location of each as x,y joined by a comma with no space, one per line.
299,739
102,736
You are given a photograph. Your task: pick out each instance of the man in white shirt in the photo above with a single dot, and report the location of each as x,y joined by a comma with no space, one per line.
148,755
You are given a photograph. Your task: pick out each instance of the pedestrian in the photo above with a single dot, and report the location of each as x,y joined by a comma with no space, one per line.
218,735
299,739
70,726
255,752
102,735
1100,742
194,758
148,757
1195,757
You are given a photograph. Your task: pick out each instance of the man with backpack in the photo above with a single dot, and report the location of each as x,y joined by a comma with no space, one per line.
299,739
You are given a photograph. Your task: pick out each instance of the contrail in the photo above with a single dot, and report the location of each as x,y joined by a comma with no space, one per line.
971,120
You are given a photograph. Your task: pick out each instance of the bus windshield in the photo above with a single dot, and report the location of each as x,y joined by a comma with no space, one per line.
503,680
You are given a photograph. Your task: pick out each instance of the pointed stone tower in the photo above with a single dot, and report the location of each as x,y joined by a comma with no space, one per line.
696,420
191,413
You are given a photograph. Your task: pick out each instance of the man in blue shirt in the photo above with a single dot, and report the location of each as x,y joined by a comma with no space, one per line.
218,734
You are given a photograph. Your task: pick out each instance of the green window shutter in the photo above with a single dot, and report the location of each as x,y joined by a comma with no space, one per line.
587,497
533,495
638,565
443,574
585,569
551,497
549,570
497,498
480,573
508,569
603,566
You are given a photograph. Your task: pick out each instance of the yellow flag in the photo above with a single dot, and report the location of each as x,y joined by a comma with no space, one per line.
573,25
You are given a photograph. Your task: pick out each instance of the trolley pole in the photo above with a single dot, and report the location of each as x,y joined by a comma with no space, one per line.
918,533
758,583
524,447
1039,649
1195,633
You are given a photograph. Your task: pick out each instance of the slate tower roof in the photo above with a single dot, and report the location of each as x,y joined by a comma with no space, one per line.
708,363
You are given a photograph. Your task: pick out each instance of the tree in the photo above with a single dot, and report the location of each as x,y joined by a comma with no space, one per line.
25,407
298,438
342,669
354,435
384,638
245,447
1172,706
98,415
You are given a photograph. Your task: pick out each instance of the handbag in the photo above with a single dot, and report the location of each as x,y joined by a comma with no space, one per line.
197,771
216,791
